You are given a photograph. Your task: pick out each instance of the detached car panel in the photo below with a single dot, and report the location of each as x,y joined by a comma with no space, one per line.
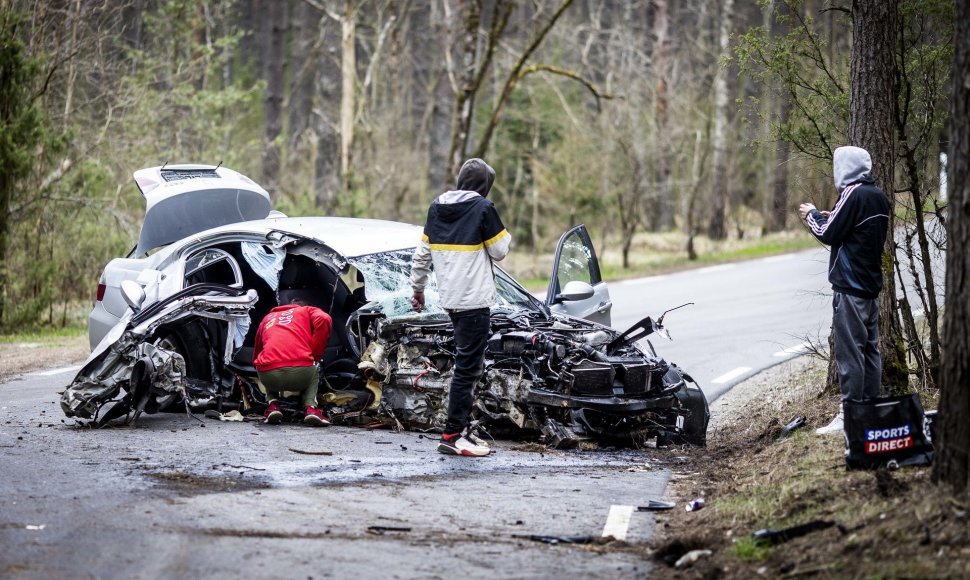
188,342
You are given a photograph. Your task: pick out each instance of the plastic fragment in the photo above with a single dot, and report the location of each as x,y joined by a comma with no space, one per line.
689,558
656,505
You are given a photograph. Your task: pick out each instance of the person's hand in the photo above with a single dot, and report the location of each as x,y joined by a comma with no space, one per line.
805,209
417,301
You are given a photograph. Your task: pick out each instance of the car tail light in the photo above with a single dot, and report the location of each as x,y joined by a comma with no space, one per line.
101,288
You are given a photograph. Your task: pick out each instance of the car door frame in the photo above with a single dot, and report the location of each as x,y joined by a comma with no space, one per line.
596,308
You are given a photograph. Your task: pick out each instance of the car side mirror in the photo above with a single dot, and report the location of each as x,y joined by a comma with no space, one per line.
133,294
576,290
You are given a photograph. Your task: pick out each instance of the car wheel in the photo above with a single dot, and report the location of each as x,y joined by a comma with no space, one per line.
191,344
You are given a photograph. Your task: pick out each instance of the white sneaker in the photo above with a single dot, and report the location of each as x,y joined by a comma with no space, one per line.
461,446
836,426
469,433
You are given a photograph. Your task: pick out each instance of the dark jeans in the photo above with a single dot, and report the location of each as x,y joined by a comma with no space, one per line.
856,325
471,334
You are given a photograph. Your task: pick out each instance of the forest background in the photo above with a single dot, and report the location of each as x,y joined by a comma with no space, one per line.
708,119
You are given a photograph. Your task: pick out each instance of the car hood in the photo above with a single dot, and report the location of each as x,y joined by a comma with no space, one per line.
186,199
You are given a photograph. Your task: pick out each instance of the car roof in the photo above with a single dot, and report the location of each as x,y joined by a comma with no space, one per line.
350,237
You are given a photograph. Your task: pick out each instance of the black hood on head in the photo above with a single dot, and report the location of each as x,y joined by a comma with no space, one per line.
477,176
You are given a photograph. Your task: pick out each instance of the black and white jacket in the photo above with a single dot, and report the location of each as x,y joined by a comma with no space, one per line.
462,236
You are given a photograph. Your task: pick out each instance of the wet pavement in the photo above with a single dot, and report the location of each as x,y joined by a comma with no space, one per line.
176,496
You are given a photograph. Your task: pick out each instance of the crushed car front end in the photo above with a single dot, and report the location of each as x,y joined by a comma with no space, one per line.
567,378
132,371
557,376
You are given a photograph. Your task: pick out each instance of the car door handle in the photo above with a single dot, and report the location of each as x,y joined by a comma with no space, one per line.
604,306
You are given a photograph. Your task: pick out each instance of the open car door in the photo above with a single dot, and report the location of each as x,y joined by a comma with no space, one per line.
576,287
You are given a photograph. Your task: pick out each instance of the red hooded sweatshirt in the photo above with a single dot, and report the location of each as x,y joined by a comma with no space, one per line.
291,336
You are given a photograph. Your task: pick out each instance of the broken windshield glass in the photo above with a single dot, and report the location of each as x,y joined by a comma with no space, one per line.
387,277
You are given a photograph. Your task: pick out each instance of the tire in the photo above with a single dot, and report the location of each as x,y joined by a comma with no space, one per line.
189,341
695,424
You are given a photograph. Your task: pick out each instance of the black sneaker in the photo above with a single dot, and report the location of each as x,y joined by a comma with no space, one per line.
457,444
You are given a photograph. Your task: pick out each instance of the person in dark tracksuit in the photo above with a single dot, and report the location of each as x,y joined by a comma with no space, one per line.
856,230
463,234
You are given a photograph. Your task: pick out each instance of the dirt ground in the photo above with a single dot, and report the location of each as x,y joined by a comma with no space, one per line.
892,524
18,358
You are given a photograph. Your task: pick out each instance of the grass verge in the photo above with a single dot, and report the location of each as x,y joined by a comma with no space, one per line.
653,254
888,524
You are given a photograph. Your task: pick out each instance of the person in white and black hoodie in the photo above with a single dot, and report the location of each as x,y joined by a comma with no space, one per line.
463,235
856,229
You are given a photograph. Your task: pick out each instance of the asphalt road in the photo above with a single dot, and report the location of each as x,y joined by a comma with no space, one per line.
171,498
746,316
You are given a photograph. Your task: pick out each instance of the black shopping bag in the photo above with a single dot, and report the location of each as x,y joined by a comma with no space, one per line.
885,430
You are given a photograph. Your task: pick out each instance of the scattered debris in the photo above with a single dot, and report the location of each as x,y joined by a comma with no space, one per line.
791,427
381,530
310,451
689,558
656,505
35,527
775,537
693,506
557,436
243,467
553,540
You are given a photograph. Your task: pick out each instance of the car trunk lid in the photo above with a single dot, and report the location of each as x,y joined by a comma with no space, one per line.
182,200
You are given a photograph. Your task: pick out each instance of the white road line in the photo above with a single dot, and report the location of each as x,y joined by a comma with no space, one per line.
618,521
798,349
716,268
53,372
780,258
731,375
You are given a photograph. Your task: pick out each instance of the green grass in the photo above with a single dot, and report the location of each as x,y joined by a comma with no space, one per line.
750,550
653,254
43,335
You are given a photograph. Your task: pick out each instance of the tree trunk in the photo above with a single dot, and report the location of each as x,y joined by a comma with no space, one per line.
471,15
664,210
442,100
872,113
778,207
952,466
326,148
303,32
779,201
348,89
716,229
273,104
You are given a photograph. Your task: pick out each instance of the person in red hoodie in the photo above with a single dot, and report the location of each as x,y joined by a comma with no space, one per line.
289,342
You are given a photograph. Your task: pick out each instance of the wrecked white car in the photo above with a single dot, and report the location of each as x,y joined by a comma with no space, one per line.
174,328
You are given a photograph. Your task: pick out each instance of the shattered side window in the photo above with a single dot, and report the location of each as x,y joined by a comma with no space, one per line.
574,261
387,281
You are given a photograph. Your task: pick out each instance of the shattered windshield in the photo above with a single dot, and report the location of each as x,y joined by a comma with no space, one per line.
387,281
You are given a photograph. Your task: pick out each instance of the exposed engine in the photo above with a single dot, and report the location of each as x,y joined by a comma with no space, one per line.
566,378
